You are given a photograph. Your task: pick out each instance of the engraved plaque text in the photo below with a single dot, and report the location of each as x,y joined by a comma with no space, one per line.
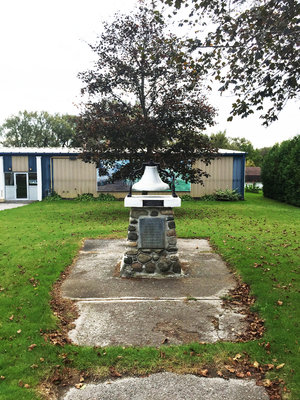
151,233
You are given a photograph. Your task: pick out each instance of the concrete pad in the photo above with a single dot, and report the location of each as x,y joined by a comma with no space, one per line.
166,386
8,206
94,275
147,311
151,323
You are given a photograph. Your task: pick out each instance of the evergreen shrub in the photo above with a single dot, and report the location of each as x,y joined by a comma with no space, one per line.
281,172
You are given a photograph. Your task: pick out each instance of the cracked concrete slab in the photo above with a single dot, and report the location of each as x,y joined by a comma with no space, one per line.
94,275
147,311
151,323
166,386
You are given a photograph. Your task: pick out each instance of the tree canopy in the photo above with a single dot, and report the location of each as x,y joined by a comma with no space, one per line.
38,129
145,100
252,49
254,156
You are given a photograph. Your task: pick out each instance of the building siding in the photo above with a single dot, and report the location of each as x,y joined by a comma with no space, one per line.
238,176
7,163
20,163
220,171
73,177
46,176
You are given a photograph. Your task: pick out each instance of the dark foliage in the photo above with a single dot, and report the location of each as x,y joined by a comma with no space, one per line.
281,172
145,100
253,50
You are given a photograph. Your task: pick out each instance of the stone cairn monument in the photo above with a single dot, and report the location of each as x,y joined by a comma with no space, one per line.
151,242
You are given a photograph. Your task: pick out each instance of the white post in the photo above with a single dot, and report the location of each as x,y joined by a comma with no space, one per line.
39,177
2,187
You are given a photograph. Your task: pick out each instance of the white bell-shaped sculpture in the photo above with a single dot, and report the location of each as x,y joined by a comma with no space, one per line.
150,181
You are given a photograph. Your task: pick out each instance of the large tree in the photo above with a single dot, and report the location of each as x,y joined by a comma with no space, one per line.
252,48
145,100
38,129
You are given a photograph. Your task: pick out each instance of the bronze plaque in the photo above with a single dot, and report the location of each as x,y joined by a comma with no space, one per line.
151,233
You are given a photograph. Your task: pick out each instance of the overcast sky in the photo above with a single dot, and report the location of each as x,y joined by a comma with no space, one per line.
43,46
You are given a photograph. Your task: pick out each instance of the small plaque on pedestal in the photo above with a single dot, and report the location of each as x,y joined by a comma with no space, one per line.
152,233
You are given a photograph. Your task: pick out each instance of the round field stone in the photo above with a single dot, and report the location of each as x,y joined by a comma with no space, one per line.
132,236
150,268
137,267
133,221
167,211
164,264
171,224
172,240
132,252
172,249
154,213
143,258
131,244
170,218
128,260
131,228
138,213
171,232
176,267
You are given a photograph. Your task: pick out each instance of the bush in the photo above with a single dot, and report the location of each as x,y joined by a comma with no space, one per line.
53,197
106,197
227,195
281,172
186,197
252,188
85,197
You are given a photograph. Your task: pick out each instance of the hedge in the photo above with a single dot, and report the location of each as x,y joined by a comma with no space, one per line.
281,172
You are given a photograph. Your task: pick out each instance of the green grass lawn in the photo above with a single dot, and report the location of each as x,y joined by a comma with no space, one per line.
257,237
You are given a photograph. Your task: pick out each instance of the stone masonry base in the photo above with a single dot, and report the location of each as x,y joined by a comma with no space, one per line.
148,261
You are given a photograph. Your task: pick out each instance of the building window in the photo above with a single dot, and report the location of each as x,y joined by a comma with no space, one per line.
9,179
32,178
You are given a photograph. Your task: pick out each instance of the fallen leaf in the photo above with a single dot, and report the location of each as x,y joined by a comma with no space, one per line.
255,364
267,383
240,374
203,372
114,372
219,373
236,357
279,302
42,359
230,368
270,366
79,385
31,347
2,377
11,317
19,331
162,354
26,386
280,366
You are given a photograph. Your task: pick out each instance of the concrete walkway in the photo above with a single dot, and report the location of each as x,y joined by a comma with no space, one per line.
153,311
148,311
8,206
169,386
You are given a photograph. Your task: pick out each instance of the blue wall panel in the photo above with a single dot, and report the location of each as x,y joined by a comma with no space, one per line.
238,178
7,161
32,163
46,176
